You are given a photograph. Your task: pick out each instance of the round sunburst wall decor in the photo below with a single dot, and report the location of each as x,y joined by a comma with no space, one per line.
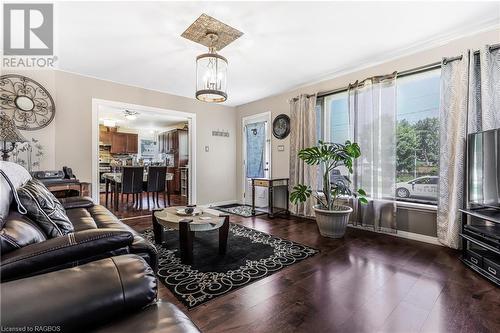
26,101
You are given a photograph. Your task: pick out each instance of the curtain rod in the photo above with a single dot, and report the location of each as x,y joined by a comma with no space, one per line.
416,70
297,98
490,48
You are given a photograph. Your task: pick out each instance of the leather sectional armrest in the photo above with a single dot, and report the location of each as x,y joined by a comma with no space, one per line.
74,247
158,317
76,202
80,297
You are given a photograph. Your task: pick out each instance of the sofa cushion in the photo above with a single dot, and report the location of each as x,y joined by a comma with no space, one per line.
64,251
76,202
81,219
43,208
19,231
18,176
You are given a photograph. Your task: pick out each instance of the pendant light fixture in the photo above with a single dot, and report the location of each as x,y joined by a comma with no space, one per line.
211,75
211,67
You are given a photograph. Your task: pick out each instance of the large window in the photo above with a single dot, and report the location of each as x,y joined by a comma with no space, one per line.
417,131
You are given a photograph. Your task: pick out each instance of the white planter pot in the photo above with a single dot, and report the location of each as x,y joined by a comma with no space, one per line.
332,223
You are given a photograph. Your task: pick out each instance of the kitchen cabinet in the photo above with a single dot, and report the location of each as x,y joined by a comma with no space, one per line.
176,143
132,143
105,137
124,143
118,143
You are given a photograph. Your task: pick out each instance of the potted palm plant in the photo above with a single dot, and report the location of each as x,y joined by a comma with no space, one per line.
331,216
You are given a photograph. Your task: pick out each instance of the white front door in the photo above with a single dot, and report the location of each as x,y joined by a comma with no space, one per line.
256,156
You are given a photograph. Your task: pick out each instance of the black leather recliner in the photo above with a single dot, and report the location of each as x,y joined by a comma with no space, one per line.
100,277
117,294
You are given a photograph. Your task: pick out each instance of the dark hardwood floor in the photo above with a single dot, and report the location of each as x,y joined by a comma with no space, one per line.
129,209
366,282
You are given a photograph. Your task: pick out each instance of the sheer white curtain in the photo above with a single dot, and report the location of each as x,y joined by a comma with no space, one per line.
470,102
302,135
372,112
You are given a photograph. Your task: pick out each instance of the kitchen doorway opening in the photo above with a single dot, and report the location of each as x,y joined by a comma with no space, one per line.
126,135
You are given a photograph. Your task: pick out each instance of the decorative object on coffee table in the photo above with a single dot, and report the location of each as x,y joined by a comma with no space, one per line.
26,101
206,220
281,126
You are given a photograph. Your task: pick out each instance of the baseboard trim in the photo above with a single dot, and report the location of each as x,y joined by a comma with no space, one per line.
135,217
403,234
418,237
221,203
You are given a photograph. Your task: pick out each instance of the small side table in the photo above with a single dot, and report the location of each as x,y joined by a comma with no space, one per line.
83,188
271,184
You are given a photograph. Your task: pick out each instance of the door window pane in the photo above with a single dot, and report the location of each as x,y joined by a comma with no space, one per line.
256,144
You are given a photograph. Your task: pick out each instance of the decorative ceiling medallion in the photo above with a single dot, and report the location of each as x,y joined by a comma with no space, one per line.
211,68
26,101
205,25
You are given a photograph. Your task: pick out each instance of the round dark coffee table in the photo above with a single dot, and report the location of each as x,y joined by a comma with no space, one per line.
208,220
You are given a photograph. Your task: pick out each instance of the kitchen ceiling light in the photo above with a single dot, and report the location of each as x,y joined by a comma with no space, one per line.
211,68
130,115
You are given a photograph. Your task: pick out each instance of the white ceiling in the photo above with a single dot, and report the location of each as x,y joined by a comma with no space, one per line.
146,120
285,44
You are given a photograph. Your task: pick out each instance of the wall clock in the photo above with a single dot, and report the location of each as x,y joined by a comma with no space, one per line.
26,101
281,126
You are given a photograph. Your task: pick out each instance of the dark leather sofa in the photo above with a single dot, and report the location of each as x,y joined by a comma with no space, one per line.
99,278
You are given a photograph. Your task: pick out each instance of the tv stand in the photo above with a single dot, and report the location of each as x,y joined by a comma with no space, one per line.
481,241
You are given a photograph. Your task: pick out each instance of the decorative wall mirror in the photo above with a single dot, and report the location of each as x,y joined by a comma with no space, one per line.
26,101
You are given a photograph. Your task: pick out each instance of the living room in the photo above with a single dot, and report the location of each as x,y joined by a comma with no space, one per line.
292,166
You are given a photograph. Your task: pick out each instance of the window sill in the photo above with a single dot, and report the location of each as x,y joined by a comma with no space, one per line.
416,206
403,205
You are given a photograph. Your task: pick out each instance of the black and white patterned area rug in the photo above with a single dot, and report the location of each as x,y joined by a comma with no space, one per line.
241,210
251,255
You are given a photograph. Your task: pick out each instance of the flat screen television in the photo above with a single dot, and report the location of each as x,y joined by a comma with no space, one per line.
484,169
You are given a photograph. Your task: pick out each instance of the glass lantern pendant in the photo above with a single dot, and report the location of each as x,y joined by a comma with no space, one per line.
211,74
